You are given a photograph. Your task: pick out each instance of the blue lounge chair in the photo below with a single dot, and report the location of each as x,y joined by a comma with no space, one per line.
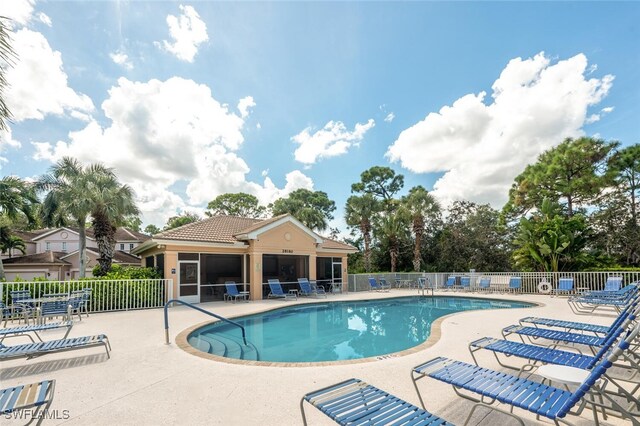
541,399
617,300
574,325
613,284
485,284
306,289
465,283
33,397
515,284
233,294
354,402
319,289
534,333
18,298
33,350
277,293
451,283
547,355
80,301
374,286
25,330
565,286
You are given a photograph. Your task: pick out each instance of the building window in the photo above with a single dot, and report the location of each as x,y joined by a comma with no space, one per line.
48,246
64,246
122,247
130,247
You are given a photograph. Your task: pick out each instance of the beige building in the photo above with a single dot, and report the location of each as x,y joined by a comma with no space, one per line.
54,253
200,257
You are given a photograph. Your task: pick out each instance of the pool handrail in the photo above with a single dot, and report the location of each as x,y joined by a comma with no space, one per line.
166,319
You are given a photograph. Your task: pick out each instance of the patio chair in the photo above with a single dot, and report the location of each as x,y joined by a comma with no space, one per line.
307,290
451,283
565,286
276,291
354,402
534,333
58,308
615,300
613,284
33,350
465,283
548,355
26,329
375,286
485,284
76,302
574,325
544,400
319,289
515,284
18,298
30,398
12,312
233,294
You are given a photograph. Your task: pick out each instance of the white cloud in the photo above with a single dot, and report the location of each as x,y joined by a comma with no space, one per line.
122,59
244,104
188,31
483,147
6,142
44,19
607,110
332,140
37,82
164,133
258,126
19,11
389,118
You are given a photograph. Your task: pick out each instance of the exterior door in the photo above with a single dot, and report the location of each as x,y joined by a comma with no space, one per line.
336,276
189,284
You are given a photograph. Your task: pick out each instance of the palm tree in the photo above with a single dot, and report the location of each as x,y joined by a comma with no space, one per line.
10,243
421,207
393,229
358,213
7,56
70,198
16,197
113,203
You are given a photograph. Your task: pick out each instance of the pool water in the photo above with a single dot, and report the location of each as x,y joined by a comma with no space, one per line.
335,331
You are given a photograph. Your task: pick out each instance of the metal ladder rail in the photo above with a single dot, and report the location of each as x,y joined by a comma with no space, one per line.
166,319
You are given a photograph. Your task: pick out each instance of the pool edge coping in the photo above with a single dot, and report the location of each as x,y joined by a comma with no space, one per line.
434,337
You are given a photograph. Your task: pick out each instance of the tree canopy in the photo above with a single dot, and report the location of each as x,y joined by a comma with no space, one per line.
180,220
237,204
381,182
313,208
573,173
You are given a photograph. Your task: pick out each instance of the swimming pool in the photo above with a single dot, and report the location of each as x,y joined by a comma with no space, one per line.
335,331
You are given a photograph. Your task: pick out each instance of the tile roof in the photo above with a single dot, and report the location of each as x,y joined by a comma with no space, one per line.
48,257
126,234
216,229
260,224
119,256
328,243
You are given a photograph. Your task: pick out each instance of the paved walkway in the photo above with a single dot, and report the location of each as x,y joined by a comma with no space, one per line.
149,383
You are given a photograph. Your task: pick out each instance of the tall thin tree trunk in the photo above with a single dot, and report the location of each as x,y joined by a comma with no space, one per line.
416,252
367,247
2,276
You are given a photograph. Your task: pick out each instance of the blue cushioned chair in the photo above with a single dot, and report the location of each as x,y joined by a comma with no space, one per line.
565,286
233,294
375,286
306,289
515,284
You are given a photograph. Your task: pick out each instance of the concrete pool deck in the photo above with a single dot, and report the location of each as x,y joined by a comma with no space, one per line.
149,383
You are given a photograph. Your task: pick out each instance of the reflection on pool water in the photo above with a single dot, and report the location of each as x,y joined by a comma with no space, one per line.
334,331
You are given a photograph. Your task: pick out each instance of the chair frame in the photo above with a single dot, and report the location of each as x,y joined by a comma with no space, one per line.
17,396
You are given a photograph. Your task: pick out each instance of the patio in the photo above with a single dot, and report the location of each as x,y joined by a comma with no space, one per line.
148,382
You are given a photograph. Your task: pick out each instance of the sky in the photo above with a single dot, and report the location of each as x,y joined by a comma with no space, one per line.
190,100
